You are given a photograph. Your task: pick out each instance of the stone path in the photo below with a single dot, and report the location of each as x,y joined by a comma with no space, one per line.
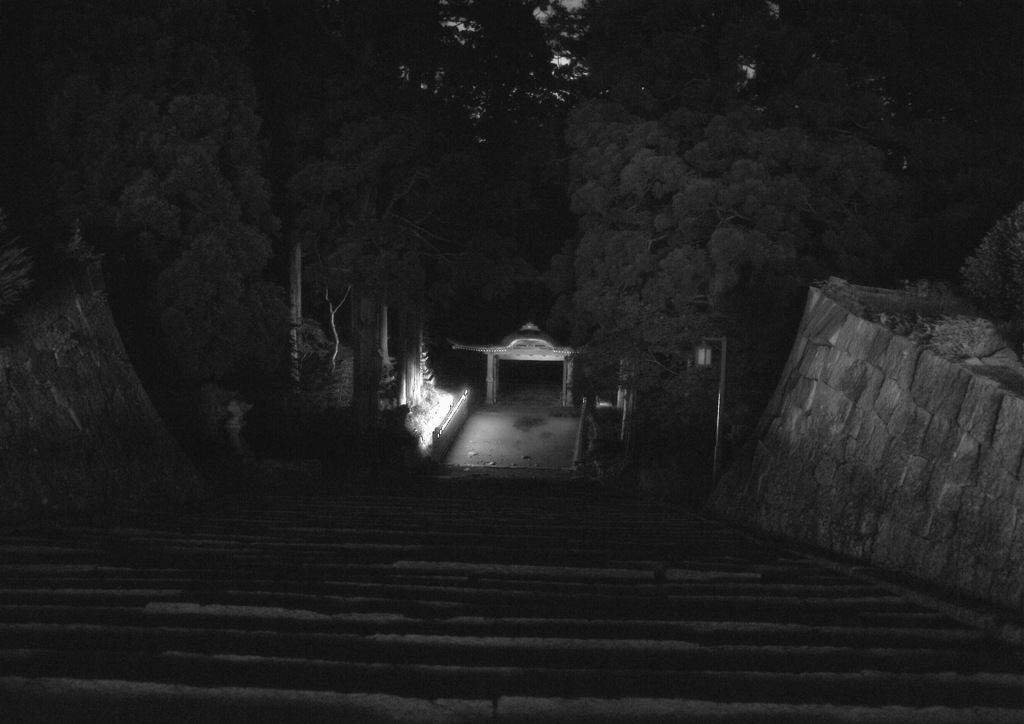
450,601
517,437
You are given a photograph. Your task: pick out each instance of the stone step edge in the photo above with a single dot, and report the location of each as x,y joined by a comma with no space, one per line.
761,607
989,618
522,652
173,662
197,615
51,698
994,621
364,646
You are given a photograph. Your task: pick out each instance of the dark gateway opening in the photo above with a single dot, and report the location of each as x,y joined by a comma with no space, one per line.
530,382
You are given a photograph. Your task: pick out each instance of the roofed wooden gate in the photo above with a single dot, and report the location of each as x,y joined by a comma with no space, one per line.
528,344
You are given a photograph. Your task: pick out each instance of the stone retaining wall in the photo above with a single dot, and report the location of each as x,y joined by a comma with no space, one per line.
78,433
874,448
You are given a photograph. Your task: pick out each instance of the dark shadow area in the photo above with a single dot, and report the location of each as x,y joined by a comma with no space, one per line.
527,382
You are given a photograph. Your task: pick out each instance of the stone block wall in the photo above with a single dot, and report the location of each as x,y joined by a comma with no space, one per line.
874,448
78,434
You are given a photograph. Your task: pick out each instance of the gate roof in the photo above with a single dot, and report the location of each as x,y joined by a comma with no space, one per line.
528,343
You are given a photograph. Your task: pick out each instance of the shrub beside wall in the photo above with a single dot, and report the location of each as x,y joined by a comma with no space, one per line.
994,274
875,448
78,433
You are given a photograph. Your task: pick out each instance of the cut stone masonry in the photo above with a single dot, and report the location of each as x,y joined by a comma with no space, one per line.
78,434
877,449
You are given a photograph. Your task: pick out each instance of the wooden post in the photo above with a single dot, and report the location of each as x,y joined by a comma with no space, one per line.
567,389
491,371
497,376
565,379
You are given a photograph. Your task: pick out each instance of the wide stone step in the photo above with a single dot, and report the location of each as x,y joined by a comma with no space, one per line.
633,572
492,651
140,553
193,615
427,586
497,601
447,602
866,687
623,535
544,517
619,570
657,569
51,700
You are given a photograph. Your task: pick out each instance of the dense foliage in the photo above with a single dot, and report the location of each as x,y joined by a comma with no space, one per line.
676,169
151,138
994,274
416,141
728,152
15,266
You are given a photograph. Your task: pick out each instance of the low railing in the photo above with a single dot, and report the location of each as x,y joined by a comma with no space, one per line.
448,430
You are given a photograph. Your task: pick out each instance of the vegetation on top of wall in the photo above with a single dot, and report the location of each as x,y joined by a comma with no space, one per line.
76,251
950,325
958,337
994,274
921,298
929,313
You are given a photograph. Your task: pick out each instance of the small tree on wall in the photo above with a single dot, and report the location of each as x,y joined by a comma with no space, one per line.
994,274
15,266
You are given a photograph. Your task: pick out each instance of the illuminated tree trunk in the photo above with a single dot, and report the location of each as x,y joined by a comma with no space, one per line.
332,318
410,336
295,311
414,357
385,351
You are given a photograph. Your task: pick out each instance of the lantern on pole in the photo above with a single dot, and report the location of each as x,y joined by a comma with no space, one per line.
702,355
703,358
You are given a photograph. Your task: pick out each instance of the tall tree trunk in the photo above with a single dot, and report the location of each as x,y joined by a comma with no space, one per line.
410,335
295,309
414,352
332,317
385,352
366,361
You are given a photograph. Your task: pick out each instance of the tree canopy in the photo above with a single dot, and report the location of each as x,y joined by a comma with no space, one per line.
726,152
674,168
151,141
419,134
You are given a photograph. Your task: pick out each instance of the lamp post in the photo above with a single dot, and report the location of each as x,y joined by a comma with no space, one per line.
702,356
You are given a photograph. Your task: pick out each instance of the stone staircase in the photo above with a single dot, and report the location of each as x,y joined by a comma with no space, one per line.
469,600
